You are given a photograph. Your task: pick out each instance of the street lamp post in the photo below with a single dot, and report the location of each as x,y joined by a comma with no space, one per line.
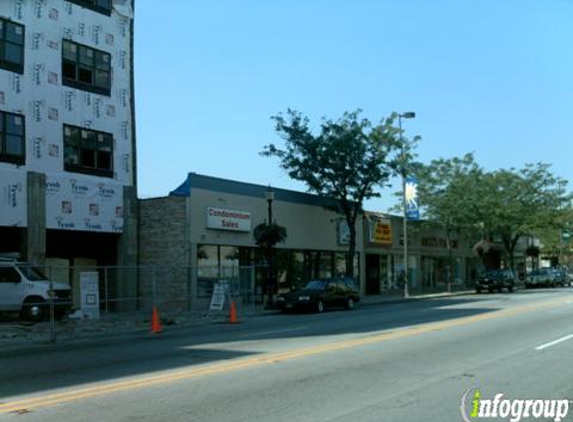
270,196
405,115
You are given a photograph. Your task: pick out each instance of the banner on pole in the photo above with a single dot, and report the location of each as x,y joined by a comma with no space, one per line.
411,193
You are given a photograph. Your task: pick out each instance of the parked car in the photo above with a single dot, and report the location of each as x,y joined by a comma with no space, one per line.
540,277
24,288
560,277
320,294
496,280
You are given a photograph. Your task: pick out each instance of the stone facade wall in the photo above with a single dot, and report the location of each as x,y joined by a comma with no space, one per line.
164,274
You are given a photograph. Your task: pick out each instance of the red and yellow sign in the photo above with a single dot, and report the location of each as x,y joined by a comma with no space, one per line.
380,231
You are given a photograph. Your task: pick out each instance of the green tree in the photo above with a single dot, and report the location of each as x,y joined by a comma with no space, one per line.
447,194
521,202
267,236
555,235
346,160
509,204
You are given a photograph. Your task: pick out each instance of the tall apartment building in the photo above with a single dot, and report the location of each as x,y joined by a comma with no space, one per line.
67,131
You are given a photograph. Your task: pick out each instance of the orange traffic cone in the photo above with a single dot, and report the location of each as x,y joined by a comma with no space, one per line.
156,327
233,313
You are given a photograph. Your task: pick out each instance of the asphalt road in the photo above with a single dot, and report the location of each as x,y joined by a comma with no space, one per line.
392,362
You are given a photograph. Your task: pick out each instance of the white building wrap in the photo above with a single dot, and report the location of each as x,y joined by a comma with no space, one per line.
77,203
13,199
47,105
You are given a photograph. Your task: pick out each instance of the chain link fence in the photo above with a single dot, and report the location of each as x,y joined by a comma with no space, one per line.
51,302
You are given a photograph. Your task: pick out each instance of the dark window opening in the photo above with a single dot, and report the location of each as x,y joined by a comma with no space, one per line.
86,68
85,76
100,6
12,136
69,70
88,151
11,46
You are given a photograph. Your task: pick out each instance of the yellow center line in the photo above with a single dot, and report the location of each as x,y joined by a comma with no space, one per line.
269,358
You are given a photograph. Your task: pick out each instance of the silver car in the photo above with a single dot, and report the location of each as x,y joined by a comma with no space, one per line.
540,277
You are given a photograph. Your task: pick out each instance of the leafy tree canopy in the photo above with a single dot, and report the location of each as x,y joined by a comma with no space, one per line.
345,159
503,203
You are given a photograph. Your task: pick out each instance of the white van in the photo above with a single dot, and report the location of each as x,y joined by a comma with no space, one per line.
24,288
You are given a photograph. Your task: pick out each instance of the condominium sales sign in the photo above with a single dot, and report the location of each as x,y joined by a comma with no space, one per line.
223,219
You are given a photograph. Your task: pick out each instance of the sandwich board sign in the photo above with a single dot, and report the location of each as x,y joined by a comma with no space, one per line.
220,291
89,291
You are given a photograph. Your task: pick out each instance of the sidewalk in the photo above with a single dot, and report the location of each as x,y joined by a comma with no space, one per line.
16,335
398,297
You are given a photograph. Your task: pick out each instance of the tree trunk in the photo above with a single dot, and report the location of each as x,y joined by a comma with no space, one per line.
450,259
512,253
351,249
510,243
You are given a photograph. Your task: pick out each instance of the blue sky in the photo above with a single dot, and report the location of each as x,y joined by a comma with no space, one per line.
490,76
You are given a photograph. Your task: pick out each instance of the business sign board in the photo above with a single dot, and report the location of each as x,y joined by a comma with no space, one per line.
80,203
13,198
380,230
223,219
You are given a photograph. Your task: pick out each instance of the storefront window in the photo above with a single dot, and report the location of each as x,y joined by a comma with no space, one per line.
207,269
207,260
428,272
283,258
248,268
228,261
296,270
436,271
339,264
261,272
215,263
325,265
245,257
311,264
412,270
291,271
385,273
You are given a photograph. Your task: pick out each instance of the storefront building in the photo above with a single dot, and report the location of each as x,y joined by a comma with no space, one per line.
206,226
431,264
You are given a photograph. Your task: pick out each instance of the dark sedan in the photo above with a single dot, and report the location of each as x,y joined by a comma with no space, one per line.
320,294
496,280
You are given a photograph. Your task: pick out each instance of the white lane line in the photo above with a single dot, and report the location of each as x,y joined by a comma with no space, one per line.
266,333
553,343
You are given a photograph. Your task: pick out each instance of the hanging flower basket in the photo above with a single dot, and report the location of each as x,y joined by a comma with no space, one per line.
269,234
532,251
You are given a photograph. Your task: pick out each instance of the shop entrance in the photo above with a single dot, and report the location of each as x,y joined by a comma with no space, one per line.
372,274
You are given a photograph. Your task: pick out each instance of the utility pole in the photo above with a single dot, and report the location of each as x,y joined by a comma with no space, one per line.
406,115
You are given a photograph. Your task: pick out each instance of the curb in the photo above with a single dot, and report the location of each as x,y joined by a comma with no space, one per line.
90,340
